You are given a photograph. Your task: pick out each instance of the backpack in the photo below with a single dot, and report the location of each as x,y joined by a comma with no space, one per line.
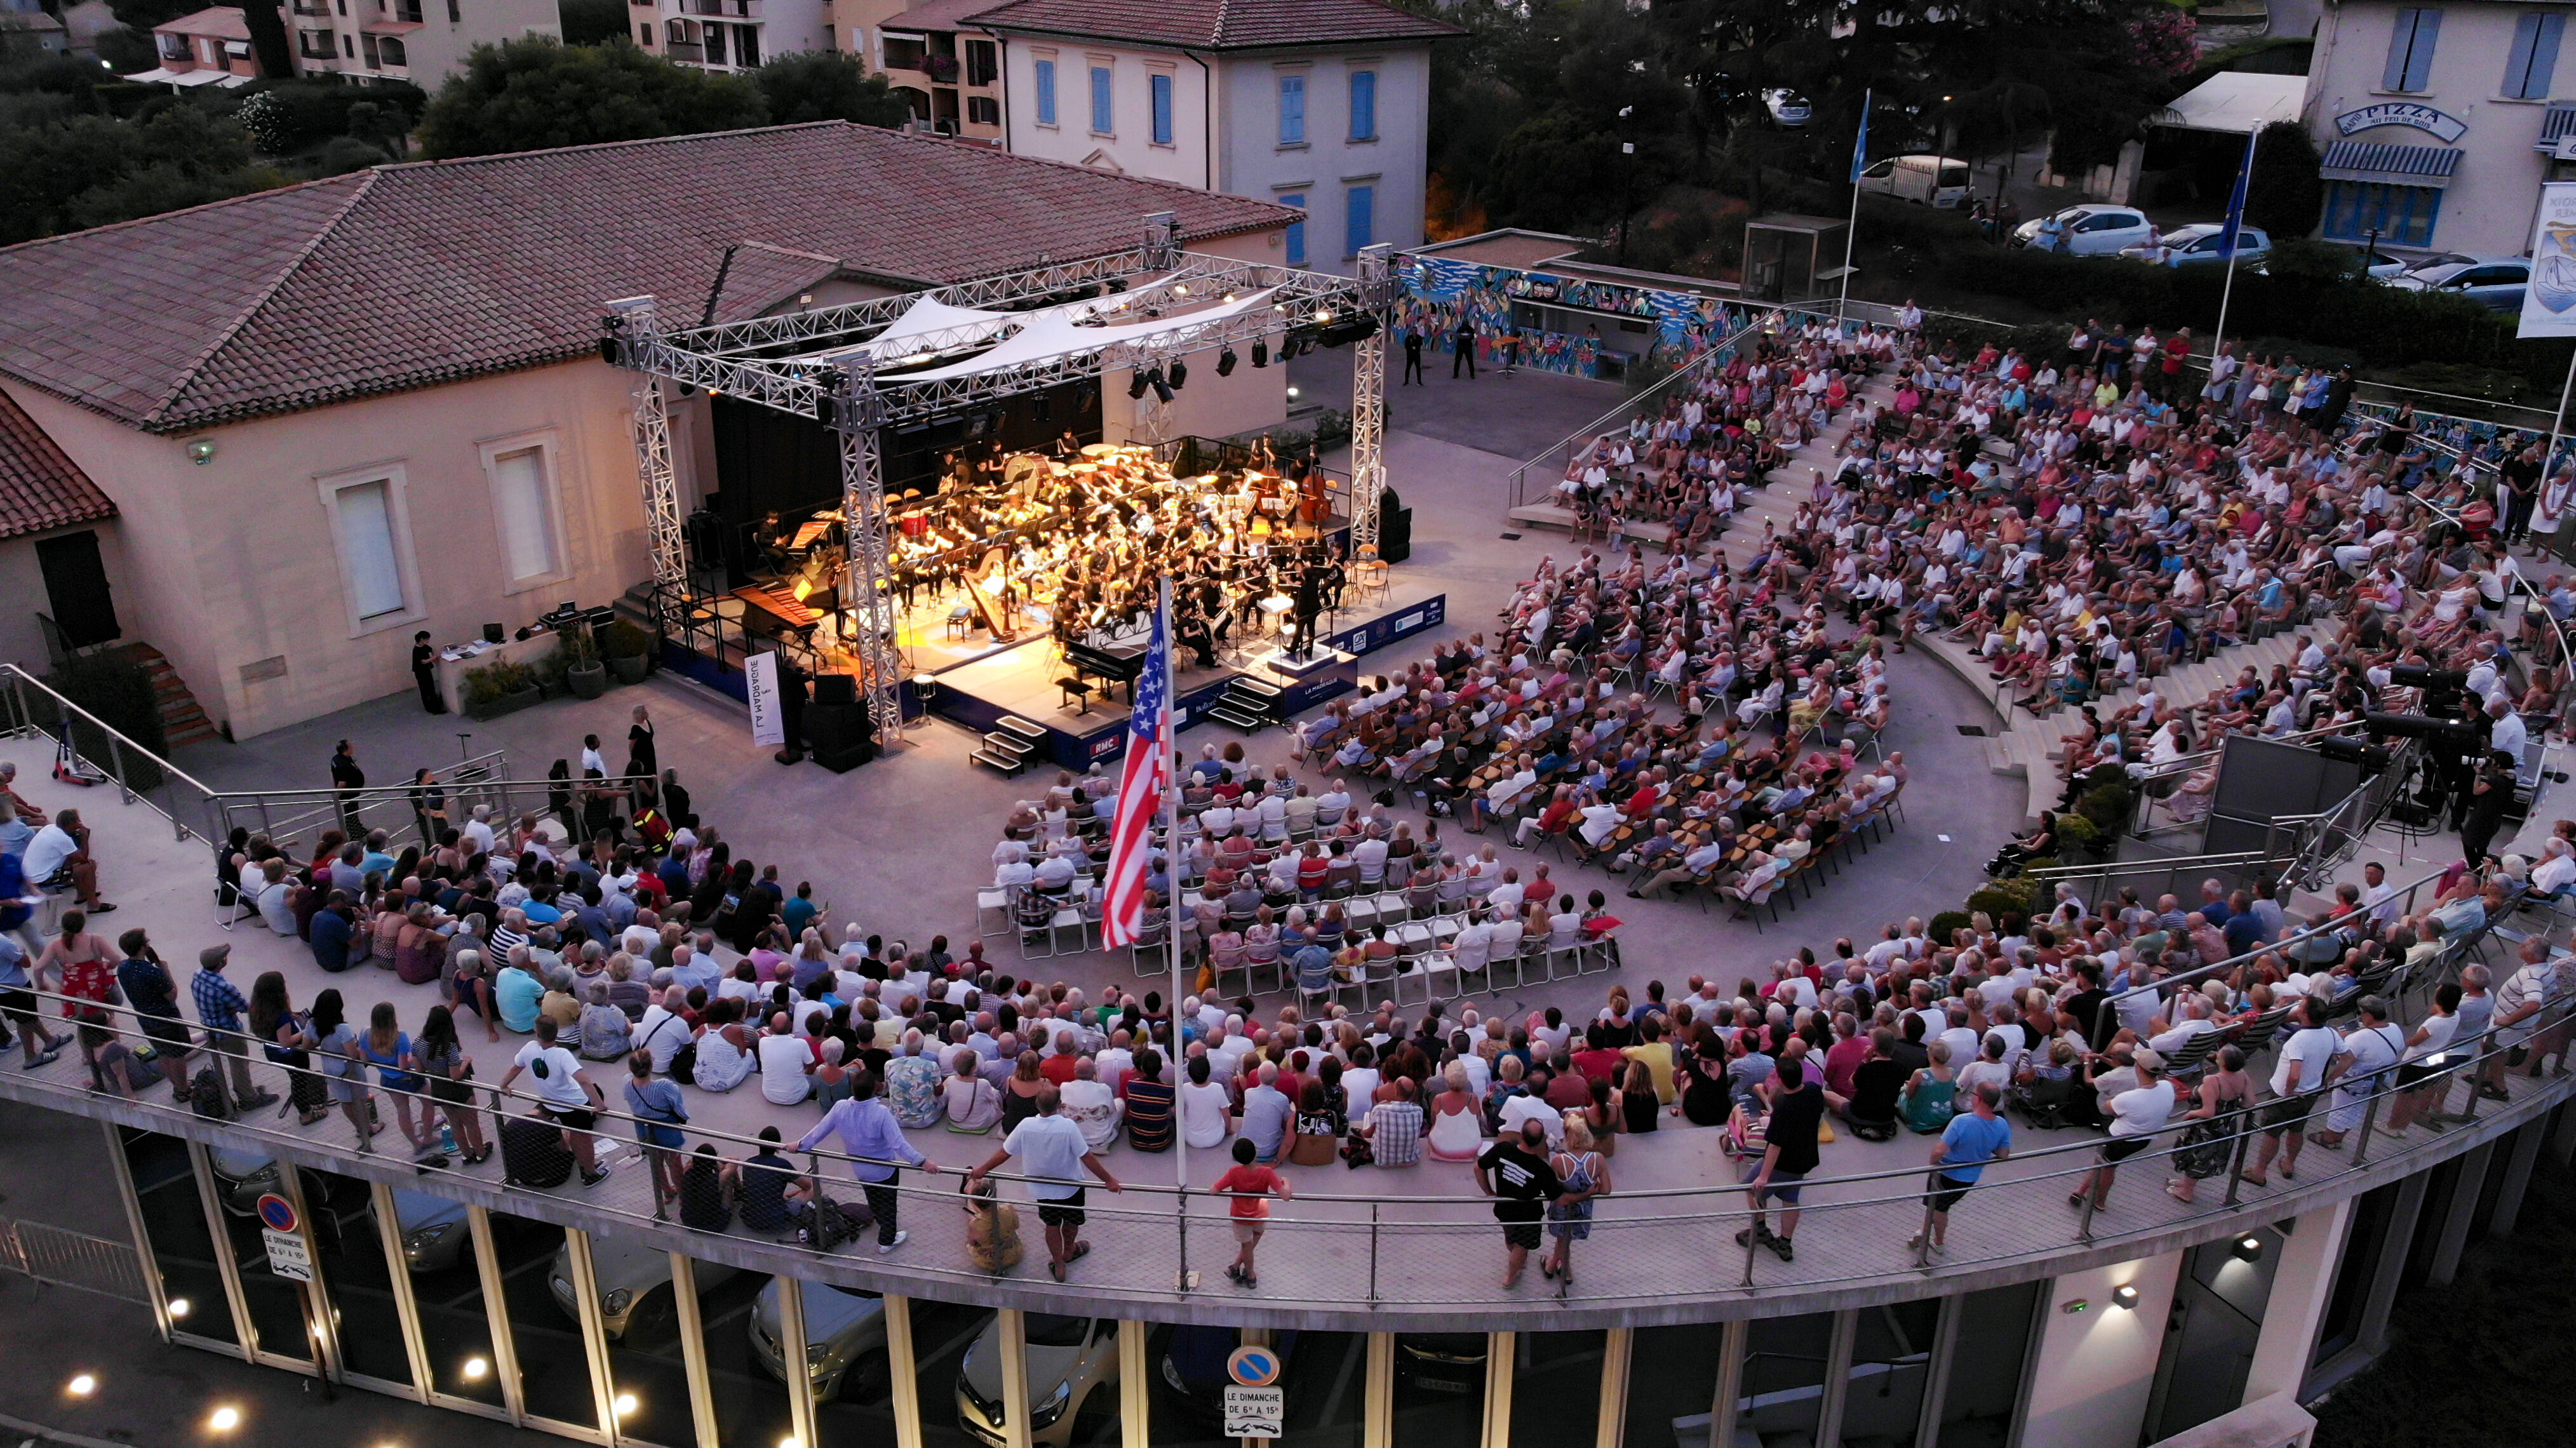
684,1064
206,1095
833,1223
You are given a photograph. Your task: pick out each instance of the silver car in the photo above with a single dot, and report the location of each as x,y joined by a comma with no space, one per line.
2494,281
844,1338
634,1282
434,1233
1073,1379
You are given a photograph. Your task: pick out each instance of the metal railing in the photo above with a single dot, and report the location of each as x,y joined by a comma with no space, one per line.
74,1259
1382,1249
35,709
292,815
1716,354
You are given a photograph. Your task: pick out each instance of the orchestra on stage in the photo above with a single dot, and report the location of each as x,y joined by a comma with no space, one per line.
1070,543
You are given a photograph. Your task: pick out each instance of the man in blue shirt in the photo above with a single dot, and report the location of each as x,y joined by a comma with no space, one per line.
155,999
331,931
870,1134
219,1009
1972,1139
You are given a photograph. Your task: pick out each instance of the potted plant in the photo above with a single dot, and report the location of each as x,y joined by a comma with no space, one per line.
629,650
584,675
503,686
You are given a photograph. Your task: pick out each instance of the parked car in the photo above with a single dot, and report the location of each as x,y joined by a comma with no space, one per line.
844,1326
335,1203
1932,180
2092,230
1788,108
1446,1362
2198,245
1073,1379
434,1233
2497,281
634,1283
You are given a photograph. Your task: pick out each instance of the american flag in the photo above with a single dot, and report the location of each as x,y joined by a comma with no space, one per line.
1142,785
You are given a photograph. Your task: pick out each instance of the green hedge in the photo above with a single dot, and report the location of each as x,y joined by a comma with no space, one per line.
118,692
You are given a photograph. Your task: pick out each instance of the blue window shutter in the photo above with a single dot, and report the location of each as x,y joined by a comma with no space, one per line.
2419,55
2536,77
1100,113
1162,110
1359,219
1292,109
1296,230
1046,92
2400,41
1363,105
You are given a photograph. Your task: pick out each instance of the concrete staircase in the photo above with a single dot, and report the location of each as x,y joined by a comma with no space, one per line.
183,720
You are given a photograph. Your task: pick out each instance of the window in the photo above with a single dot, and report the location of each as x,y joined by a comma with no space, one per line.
1162,87
983,111
394,54
2402,215
375,53
715,51
983,63
1359,219
363,516
1046,92
644,35
746,45
348,48
1101,116
523,510
2535,55
455,13
1296,229
1363,105
2410,50
1292,110
905,53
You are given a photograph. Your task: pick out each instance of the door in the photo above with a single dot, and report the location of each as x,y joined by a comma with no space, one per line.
76,588
2212,1330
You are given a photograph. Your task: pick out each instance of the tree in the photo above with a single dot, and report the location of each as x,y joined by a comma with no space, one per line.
536,92
592,22
2282,193
268,38
828,85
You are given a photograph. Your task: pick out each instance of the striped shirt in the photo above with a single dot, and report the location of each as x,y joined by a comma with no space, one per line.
219,1003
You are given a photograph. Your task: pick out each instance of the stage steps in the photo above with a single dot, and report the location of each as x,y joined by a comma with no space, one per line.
1010,745
1247,704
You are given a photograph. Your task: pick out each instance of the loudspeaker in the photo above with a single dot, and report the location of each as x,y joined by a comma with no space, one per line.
492,633
1394,534
836,688
842,736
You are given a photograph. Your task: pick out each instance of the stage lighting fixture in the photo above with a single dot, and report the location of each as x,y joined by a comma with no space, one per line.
1136,384
1225,363
1355,327
1260,354
1180,375
1162,389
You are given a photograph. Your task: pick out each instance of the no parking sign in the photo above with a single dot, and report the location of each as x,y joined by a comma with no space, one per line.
287,1255
1254,1406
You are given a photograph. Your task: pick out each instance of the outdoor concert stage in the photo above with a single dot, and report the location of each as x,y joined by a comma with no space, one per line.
1020,680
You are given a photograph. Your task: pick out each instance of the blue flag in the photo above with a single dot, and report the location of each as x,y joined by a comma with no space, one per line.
2236,203
1860,144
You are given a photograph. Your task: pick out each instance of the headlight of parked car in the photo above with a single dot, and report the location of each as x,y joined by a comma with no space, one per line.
816,1352
424,1239
614,1304
1053,1408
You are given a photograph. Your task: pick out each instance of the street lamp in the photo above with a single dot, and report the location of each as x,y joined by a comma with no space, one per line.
1627,180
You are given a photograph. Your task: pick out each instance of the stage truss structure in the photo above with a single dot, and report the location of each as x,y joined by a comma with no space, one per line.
818,363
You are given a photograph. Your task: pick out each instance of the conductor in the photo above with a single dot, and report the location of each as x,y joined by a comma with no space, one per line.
1307,606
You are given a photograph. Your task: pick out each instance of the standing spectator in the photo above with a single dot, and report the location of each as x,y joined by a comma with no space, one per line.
2296,1081
1250,1186
1412,357
347,779
659,1115
1788,1154
1972,1139
875,1143
564,1095
155,999
1515,1172
1053,1155
1585,1175
2137,1115
219,1010
1465,340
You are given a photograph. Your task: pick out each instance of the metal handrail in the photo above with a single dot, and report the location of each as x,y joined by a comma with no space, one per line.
22,720
1713,353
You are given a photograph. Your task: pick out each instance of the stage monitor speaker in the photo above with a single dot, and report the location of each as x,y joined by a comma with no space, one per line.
842,736
492,633
1395,534
836,689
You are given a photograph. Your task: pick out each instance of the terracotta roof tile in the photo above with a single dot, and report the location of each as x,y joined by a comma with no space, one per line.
408,276
41,487
1218,24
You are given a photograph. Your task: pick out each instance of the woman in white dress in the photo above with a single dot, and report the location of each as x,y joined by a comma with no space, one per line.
724,1051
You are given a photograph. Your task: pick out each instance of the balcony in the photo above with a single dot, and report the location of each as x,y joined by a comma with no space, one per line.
316,45
725,9
687,51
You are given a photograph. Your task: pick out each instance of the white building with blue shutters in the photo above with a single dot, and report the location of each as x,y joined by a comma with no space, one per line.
2440,122
1318,104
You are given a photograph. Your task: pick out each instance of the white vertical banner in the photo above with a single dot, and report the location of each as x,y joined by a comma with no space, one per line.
2549,303
768,726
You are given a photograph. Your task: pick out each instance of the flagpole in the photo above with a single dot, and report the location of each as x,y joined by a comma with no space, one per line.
1169,741
2235,221
1851,228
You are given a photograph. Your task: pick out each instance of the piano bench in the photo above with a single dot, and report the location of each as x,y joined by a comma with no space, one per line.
1076,692
961,621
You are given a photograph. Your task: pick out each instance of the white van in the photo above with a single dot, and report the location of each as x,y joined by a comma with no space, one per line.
1936,180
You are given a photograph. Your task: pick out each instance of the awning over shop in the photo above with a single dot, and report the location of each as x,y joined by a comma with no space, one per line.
2392,165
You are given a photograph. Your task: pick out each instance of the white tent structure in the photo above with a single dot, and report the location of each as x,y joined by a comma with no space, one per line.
2235,103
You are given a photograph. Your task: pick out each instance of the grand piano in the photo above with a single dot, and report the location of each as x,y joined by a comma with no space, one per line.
1111,666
